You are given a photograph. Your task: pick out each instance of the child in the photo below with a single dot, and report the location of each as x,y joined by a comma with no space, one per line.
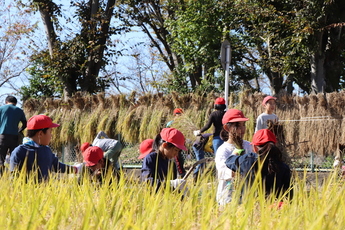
215,119
269,103
145,148
35,155
275,174
97,165
177,113
112,148
157,166
179,159
232,133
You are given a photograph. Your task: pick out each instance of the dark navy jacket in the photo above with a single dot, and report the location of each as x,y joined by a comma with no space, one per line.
155,169
42,156
246,166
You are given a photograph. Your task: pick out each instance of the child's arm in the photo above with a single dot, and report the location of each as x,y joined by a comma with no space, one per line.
243,163
101,135
259,123
60,167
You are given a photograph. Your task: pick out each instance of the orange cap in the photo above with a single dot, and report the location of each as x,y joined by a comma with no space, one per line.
145,148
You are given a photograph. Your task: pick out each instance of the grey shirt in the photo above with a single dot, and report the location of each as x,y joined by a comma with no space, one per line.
103,141
261,121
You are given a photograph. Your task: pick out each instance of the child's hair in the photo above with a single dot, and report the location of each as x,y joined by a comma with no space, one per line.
158,141
269,155
220,107
31,133
230,131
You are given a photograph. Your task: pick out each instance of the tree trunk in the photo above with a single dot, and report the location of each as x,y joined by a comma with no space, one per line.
276,81
46,9
317,62
317,73
96,54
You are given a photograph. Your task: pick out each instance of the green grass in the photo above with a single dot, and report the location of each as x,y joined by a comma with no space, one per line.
63,204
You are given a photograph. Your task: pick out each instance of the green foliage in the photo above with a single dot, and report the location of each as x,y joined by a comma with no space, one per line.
78,59
42,84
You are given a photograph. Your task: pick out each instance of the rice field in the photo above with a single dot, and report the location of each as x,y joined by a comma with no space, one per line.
312,124
62,203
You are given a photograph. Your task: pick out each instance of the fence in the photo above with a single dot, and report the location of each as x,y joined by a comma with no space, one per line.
310,162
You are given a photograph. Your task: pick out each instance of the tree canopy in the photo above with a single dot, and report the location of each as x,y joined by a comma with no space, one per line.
289,43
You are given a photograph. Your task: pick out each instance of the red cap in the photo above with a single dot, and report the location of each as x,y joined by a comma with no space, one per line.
40,122
174,137
178,111
263,136
266,99
84,146
233,115
92,155
145,148
219,101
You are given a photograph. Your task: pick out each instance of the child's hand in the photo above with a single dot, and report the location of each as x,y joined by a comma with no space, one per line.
179,184
238,152
336,163
78,167
196,132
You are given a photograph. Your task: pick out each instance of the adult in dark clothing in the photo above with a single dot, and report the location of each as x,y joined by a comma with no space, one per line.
158,165
275,174
215,119
10,116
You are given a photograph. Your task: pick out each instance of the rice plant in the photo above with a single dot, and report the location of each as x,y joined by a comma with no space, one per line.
63,203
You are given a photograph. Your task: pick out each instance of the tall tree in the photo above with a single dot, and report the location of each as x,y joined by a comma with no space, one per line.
77,60
298,41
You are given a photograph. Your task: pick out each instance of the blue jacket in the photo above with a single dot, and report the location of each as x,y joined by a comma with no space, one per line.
247,166
41,155
155,168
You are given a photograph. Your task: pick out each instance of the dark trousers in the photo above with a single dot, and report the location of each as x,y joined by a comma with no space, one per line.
8,142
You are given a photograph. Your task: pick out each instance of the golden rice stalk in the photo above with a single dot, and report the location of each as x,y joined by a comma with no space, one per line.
322,100
115,101
78,100
145,123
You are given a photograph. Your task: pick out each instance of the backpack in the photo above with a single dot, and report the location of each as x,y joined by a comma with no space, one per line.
205,143
208,145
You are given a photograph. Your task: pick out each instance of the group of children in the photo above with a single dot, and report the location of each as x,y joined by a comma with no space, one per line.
260,157
160,155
